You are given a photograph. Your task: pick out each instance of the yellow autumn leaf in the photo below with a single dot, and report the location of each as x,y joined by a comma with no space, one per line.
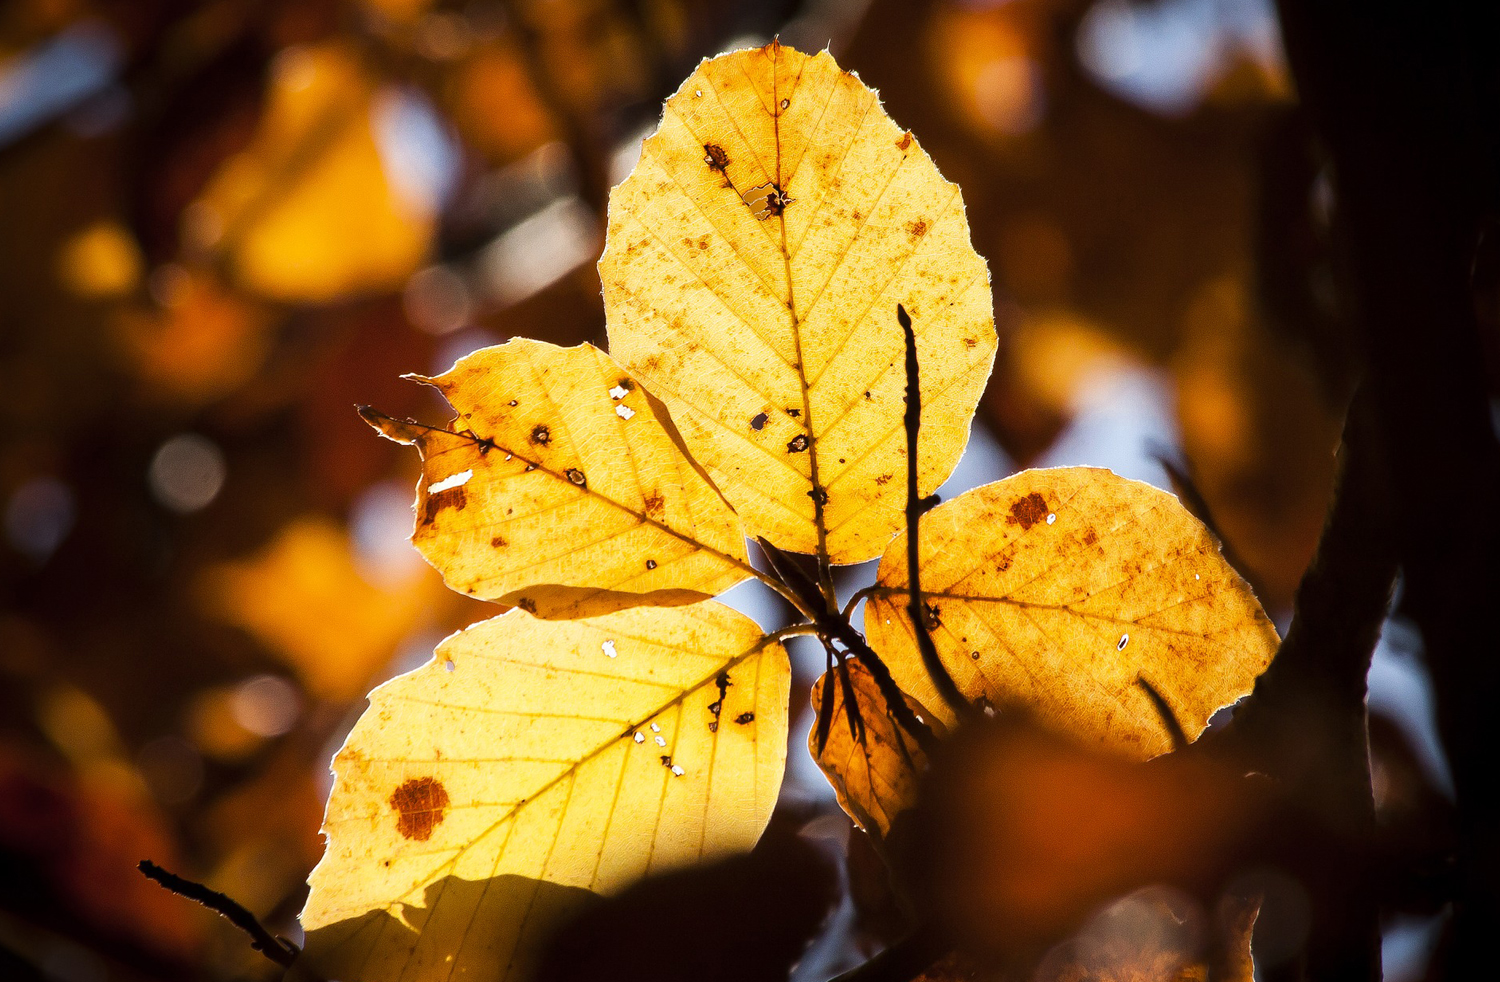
529,764
754,261
303,597
876,777
565,490
308,212
1057,590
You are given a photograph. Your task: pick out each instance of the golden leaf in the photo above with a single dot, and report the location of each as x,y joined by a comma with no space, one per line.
876,777
480,796
1059,589
302,596
567,491
308,212
753,266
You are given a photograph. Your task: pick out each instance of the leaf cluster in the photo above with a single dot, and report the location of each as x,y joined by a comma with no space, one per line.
799,333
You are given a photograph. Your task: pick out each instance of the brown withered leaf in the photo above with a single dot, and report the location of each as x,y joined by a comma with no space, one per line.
875,778
1060,590
563,488
481,797
753,265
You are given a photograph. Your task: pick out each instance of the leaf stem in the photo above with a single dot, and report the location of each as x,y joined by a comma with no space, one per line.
915,506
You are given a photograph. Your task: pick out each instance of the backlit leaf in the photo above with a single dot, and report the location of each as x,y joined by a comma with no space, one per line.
753,266
565,490
482,796
1058,589
875,778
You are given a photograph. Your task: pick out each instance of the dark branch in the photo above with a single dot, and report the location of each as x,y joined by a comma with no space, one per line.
279,950
915,506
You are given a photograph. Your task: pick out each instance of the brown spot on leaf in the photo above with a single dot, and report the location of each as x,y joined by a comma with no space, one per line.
498,542
653,503
819,495
541,434
1028,511
576,476
527,604
758,421
797,444
744,718
626,384
917,228
454,498
1090,537
932,616
715,157
419,803
882,479
650,564
905,141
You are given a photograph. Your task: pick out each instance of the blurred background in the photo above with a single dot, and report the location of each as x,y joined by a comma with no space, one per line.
223,224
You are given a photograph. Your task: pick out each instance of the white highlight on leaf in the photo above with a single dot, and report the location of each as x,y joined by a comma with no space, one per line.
609,649
624,412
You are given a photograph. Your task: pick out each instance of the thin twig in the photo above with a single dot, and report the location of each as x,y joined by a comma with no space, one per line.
915,506
279,950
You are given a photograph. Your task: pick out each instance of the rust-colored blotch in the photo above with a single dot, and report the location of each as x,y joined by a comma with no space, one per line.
1029,510
420,803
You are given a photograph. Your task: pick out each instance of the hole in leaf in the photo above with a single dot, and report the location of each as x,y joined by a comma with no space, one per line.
448,483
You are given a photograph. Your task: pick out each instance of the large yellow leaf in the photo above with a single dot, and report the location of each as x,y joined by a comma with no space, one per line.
874,765
753,266
1058,589
566,491
483,795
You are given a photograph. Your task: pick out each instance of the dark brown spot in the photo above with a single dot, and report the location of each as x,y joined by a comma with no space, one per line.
514,403
1028,511
454,498
797,444
653,503
626,384
758,421
882,479
794,413
917,228
419,803
666,760
1002,565
744,718
717,706
867,394
715,157
818,495
541,434
856,216
527,604
786,103
932,616
974,655
576,476
650,564
528,469
905,141
970,342
1090,537
498,542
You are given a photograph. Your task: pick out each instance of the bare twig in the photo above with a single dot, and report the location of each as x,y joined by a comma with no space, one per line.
279,950
915,506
